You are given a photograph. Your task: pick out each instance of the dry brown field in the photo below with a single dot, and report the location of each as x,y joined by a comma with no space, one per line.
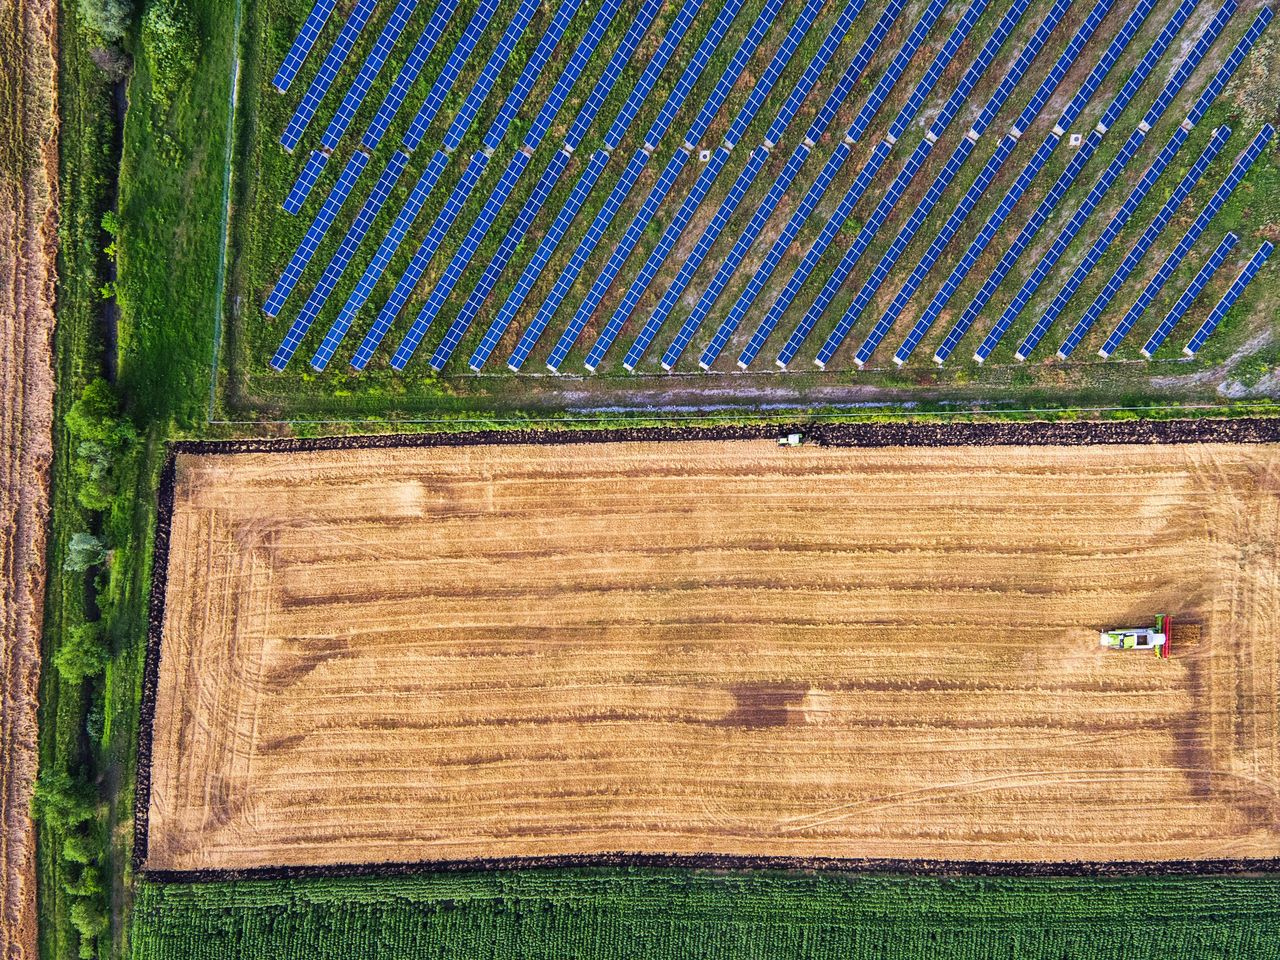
478,652
28,239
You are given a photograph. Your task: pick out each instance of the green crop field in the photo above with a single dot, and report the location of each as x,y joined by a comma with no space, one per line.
664,915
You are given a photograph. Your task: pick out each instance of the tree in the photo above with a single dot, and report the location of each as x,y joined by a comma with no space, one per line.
82,653
109,19
90,919
96,416
84,551
63,801
80,848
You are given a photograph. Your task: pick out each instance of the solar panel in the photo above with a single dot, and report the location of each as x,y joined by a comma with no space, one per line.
653,69
1229,299
421,258
1033,167
1117,223
301,188
586,246
826,114
511,240
440,90
408,74
471,243
1037,220
1068,57
1180,252
797,280
572,72
310,103
303,43
341,258
631,238
1232,64
315,233
381,259
1184,302
369,71
636,29
897,66
489,75
743,243
1144,243
808,79
550,240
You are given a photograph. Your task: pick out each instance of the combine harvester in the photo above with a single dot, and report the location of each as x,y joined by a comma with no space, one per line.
1157,638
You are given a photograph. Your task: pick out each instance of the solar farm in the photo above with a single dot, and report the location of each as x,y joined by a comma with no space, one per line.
446,194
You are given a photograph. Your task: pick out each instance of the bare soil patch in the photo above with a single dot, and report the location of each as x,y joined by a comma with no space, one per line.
28,237
723,648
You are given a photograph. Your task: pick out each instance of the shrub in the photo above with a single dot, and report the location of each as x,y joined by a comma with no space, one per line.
171,45
62,801
82,653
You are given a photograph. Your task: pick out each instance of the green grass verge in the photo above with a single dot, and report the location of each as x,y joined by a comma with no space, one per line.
676,914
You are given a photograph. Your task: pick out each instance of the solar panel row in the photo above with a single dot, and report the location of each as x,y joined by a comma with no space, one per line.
822,183
890,257
420,259
408,75
381,259
948,173
644,216
368,72
315,233
303,43
515,169
341,258
439,92
1233,294
550,240
897,66
1114,226
670,41
470,244
506,249
301,188
1142,245
974,193
755,162
621,123
1064,182
1194,289
417,266
573,269
1183,248
604,218
755,226
572,72
1033,167
492,70
799,31
835,223
320,84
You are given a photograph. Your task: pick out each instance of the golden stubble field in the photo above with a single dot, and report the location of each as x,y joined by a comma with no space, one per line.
479,652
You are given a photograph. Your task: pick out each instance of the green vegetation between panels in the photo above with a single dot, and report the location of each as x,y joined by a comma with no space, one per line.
669,914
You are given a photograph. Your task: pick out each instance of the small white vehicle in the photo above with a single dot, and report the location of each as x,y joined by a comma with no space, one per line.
1140,638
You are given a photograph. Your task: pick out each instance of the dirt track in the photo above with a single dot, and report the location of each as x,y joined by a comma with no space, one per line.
418,654
28,234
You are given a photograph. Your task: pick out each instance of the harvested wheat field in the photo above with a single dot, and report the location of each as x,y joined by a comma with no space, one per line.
685,648
28,251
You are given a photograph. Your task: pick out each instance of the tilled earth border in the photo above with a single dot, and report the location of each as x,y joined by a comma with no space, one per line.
1000,433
